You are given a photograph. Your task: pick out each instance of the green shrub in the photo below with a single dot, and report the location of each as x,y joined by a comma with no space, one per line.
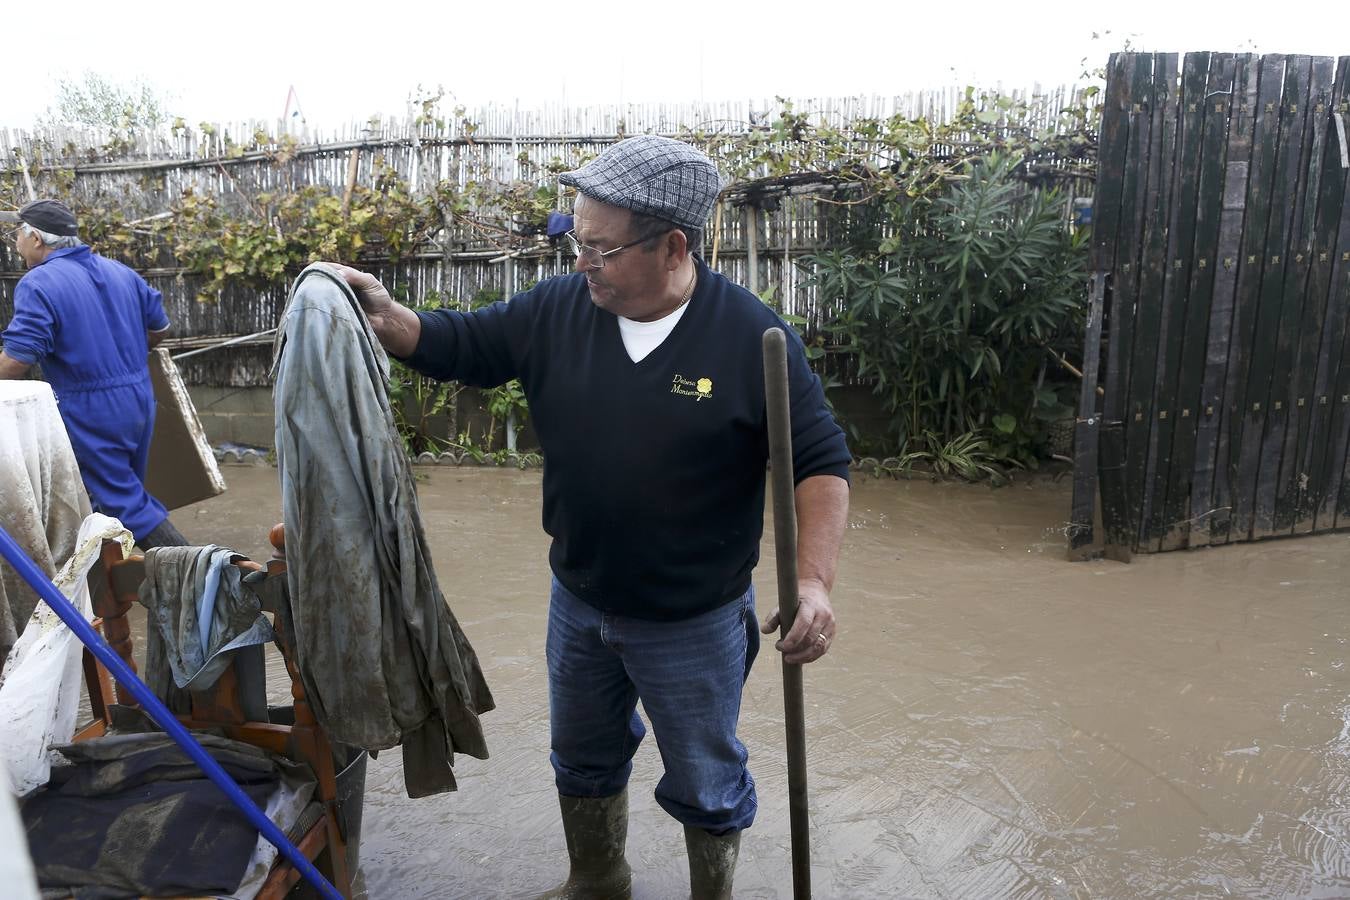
949,303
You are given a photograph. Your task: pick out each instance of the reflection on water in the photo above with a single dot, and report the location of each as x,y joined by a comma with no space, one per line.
992,721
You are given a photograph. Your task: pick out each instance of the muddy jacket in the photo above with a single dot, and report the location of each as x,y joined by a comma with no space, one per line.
383,660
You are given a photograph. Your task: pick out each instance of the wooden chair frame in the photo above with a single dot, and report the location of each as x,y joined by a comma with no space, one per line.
221,708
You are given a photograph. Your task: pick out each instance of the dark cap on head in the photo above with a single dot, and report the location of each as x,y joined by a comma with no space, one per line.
653,176
51,216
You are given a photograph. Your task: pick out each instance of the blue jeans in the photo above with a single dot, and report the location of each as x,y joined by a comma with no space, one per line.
689,676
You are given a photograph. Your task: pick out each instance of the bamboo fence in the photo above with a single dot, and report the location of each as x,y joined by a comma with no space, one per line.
143,176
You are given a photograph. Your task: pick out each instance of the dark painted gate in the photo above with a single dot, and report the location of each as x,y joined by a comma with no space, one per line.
1221,245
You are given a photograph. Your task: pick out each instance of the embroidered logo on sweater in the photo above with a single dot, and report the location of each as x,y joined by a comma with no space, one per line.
700,389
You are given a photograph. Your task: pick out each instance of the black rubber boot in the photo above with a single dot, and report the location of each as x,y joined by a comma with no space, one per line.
597,833
712,863
163,535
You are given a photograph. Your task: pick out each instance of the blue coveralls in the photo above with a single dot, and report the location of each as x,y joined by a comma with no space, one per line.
84,319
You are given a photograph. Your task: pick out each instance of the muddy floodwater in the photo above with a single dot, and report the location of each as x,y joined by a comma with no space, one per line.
992,721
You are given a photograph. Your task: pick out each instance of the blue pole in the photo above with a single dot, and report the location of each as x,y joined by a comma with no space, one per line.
158,711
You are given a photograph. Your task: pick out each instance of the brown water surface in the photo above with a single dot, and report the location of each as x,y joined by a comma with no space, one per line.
992,721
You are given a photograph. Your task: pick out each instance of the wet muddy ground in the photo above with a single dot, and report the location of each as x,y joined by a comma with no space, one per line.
992,721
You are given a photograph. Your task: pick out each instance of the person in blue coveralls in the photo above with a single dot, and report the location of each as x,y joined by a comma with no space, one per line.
90,322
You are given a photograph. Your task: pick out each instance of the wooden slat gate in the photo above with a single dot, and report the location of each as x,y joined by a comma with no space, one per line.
1221,253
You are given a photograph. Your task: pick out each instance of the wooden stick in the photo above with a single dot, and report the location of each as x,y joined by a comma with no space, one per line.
27,177
1074,370
785,544
353,160
1340,134
717,234
751,248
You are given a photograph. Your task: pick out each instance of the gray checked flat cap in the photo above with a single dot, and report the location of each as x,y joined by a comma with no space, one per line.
653,176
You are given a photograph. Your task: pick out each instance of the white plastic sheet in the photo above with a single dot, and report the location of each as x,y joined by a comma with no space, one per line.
42,676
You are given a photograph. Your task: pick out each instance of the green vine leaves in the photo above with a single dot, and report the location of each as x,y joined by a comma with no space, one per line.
259,238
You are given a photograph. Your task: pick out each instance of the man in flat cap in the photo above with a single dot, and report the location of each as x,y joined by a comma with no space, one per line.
90,322
644,376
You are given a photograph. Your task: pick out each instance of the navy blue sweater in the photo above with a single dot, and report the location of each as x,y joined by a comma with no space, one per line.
653,471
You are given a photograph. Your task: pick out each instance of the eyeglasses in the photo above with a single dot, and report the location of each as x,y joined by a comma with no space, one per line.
596,258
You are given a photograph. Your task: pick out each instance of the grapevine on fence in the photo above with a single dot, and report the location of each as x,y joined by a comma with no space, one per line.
897,183
259,241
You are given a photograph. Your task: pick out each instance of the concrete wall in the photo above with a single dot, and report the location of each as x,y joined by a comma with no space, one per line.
235,415
243,415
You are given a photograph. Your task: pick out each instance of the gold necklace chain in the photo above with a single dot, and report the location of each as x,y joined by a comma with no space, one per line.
689,291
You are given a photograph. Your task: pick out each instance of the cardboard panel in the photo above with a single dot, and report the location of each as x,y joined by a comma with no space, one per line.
182,468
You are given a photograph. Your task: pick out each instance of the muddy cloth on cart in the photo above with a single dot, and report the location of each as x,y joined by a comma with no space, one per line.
133,815
200,618
384,661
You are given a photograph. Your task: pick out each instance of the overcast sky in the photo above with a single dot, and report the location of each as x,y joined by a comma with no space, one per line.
347,61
